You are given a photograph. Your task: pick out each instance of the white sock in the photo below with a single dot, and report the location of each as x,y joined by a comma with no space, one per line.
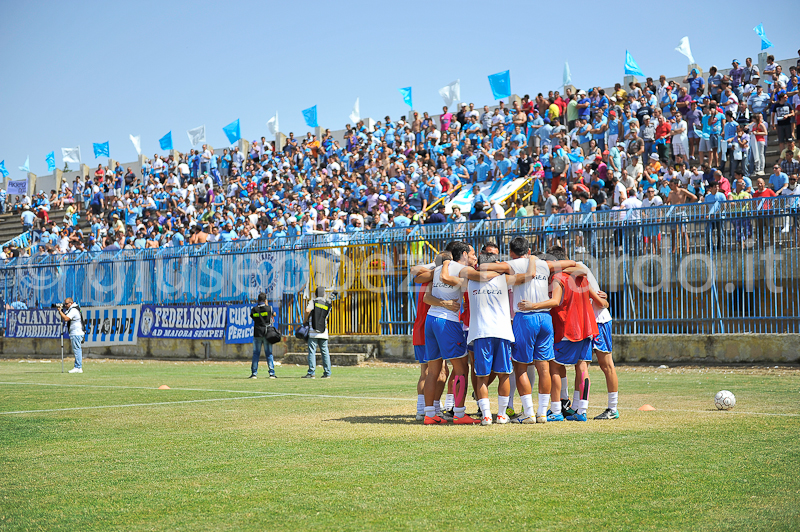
486,410
420,404
555,407
459,411
564,389
576,396
613,400
449,402
544,401
437,406
527,405
430,411
502,404
583,406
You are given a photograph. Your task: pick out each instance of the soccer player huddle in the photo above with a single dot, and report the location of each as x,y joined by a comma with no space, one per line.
509,321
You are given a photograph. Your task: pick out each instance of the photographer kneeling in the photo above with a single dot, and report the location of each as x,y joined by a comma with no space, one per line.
317,319
75,318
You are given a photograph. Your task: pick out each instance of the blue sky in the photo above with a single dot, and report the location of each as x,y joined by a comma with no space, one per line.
73,73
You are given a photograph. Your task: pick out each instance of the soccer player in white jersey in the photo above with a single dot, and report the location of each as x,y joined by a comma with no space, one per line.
602,349
444,338
490,331
532,326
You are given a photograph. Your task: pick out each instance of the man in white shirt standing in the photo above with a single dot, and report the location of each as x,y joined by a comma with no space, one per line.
76,333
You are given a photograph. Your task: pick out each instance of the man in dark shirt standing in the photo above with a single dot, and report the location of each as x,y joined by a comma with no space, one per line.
438,217
262,316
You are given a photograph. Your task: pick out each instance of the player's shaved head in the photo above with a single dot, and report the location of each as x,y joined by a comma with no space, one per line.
441,257
487,258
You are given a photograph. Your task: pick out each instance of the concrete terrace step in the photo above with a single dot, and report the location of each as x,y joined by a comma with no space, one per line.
338,359
337,346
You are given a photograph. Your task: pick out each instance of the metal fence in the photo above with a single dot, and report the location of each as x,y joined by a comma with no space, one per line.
700,268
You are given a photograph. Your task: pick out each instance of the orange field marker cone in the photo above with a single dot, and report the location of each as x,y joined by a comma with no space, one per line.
646,408
165,387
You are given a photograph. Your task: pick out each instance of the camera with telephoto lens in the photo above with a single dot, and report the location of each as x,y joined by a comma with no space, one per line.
59,306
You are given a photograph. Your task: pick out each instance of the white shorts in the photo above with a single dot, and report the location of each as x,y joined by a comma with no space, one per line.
679,148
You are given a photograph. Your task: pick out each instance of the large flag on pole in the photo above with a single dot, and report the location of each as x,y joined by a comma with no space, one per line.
272,124
233,131
137,143
631,68
27,166
197,135
310,116
451,93
101,149
355,116
51,161
500,84
71,155
567,79
683,47
765,43
406,92
166,141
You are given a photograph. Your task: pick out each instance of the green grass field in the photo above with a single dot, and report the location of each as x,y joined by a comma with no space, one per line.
108,450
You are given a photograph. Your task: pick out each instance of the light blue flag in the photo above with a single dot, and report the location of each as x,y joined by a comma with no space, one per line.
501,85
51,161
166,141
631,68
233,131
567,75
310,116
27,166
406,92
765,43
3,170
100,149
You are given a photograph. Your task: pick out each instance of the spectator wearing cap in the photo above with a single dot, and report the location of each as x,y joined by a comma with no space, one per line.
695,82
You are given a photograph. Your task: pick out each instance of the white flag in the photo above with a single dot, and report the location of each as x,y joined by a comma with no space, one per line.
137,143
197,135
683,48
71,155
451,93
355,116
273,125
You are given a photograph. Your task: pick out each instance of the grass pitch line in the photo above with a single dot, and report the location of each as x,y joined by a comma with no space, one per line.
262,396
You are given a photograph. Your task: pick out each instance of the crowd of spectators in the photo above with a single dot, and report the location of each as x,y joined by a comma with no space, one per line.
652,143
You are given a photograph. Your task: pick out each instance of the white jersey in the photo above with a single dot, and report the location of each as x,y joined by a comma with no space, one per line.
445,292
535,290
601,315
489,312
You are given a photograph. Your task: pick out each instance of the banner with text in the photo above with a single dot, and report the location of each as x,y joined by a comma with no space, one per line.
189,323
240,325
34,323
106,326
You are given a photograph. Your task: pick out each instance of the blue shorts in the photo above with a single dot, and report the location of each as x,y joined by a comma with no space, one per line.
419,354
602,342
570,353
492,355
444,339
533,332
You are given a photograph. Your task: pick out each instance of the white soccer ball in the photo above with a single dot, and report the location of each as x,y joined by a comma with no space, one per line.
724,400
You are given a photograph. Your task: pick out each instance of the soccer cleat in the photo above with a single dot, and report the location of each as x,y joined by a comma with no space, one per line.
307,376
576,417
252,377
420,417
608,414
510,413
529,420
568,411
541,419
554,417
466,420
565,403
75,370
436,420
448,415
486,421
502,420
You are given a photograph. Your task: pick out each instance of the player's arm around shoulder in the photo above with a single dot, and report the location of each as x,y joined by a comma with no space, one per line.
560,265
513,279
449,304
445,276
554,301
470,273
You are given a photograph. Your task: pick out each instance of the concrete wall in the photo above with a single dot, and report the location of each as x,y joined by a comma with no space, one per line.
667,348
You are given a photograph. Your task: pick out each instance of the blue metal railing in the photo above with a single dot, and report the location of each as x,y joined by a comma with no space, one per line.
698,268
